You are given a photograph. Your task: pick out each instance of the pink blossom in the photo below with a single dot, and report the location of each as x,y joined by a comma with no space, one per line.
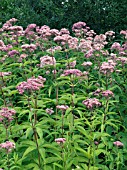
100,38
47,60
22,56
31,84
118,143
86,46
107,67
122,59
64,31
7,114
49,111
15,28
2,74
107,93
73,43
13,52
113,56
75,72
52,50
89,54
88,63
97,92
62,107
29,47
63,39
54,32
116,46
92,102
124,32
60,140
78,25
96,142
110,33
71,64
8,146
29,28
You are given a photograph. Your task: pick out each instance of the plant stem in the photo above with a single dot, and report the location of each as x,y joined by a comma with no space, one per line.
8,162
62,123
34,128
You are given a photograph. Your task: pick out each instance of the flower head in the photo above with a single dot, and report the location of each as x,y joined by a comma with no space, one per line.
49,111
6,114
107,93
62,107
118,143
60,140
2,74
8,146
31,84
47,60
92,102
75,72
12,53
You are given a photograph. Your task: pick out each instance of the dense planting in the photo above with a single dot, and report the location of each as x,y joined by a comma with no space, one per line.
62,98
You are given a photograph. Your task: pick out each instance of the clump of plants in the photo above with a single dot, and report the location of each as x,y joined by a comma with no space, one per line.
62,98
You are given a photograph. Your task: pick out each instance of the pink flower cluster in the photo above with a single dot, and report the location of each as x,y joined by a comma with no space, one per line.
118,143
49,111
71,64
22,56
73,43
60,140
107,93
13,53
47,60
75,72
88,63
2,74
62,107
4,47
123,60
92,102
29,47
8,146
31,84
78,25
124,32
30,27
6,114
110,34
64,31
107,67
97,92
8,24
16,30
63,39
116,46
85,46
52,50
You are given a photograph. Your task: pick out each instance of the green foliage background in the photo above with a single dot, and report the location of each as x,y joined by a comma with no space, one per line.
100,15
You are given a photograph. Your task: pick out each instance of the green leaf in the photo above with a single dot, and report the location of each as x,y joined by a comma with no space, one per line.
29,132
28,150
50,90
57,165
97,152
39,132
52,159
84,132
86,154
